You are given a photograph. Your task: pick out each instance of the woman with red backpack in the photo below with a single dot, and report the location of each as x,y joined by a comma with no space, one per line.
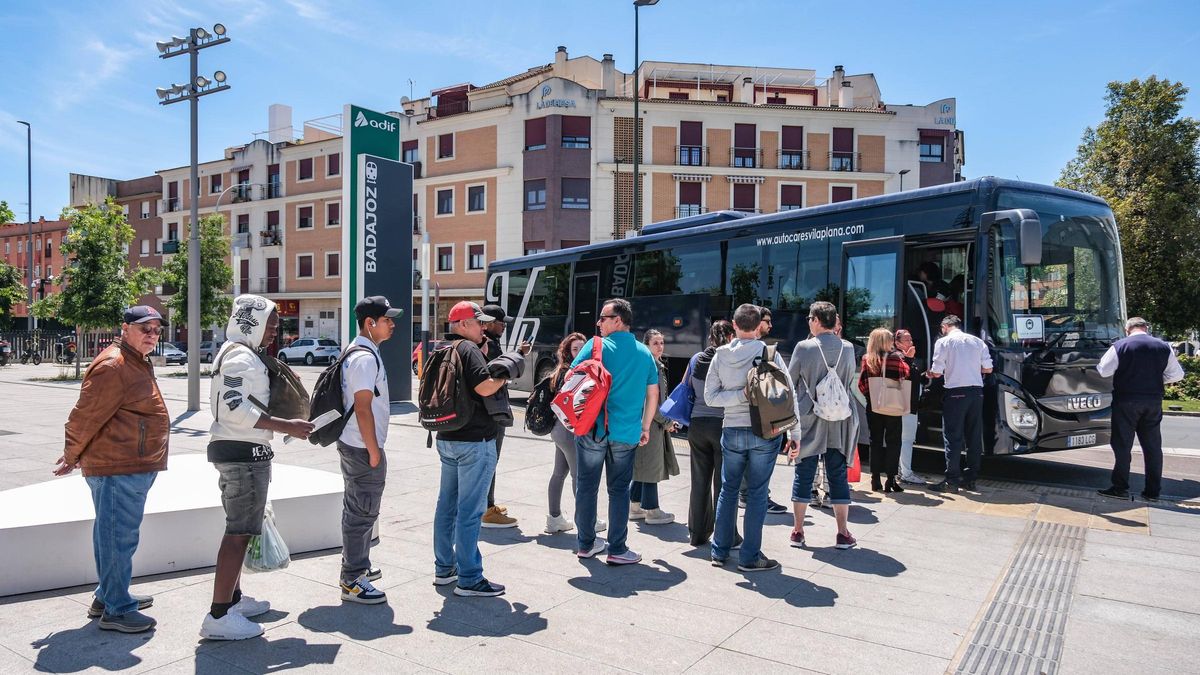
564,442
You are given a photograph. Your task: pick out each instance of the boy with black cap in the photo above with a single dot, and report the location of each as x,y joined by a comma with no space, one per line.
364,466
497,404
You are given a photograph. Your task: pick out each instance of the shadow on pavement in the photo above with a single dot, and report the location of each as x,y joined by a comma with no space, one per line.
260,655
505,535
861,561
357,622
465,617
86,647
673,532
808,594
628,580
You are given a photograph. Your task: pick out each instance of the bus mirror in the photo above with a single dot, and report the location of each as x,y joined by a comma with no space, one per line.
1029,231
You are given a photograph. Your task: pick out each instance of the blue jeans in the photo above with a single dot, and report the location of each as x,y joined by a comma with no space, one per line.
835,471
467,468
962,426
120,502
645,494
743,453
617,461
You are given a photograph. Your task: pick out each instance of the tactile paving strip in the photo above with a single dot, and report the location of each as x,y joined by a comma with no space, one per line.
1022,632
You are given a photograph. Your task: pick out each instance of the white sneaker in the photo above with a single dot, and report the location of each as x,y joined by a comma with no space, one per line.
555,524
601,525
598,546
248,606
229,627
659,517
636,512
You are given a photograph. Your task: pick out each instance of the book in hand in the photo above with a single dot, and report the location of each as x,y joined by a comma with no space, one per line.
322,420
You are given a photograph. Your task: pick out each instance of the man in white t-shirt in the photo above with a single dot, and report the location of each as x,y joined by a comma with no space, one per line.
364,466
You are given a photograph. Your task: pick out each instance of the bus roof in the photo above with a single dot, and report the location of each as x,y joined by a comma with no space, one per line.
722,220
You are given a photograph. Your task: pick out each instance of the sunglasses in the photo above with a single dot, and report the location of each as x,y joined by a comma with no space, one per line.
149,330
608,316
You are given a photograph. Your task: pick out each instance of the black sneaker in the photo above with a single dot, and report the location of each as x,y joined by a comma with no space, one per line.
482,589
763,564
1114,493
944,486
1149,498
969,485
775,508
129,622
97,608
445,579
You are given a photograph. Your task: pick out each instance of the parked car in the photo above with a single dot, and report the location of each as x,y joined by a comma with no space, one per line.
208,351
310,351
433,346
173,354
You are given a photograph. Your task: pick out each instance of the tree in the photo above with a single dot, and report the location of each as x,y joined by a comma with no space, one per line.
12,291
6,214
1144,160
216,276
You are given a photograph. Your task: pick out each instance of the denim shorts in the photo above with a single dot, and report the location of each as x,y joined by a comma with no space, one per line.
244,495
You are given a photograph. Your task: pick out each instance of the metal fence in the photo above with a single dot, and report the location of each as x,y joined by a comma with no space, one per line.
46,343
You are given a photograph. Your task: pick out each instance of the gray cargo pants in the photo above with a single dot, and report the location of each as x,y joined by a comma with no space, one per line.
360,507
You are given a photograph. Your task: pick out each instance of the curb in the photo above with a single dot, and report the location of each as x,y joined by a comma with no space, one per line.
1180,413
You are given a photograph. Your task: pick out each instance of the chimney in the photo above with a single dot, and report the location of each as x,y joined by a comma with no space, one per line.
279,123
833,84
747,93
846,95
608,75
560,57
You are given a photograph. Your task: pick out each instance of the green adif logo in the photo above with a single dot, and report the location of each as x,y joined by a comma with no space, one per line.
363,121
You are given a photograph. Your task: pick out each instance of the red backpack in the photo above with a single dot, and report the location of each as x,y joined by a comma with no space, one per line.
584,393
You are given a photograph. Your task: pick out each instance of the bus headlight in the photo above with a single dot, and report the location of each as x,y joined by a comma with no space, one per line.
1022,418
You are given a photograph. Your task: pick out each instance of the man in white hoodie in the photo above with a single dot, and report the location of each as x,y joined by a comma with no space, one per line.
743,452
240,449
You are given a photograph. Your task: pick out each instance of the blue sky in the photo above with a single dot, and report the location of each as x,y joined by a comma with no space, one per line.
1029,76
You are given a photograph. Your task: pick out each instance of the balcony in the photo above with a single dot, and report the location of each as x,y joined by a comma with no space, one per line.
416,224
265,285
170,246
794,159
449,108
747,210
241,240
745,158
845,161
270,238
274,188
685,210
173,204
691,155
242,193
416,169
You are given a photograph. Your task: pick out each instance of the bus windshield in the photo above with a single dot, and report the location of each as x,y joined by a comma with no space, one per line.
1077,288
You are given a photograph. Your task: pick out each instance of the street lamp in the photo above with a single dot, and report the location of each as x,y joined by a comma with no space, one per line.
30,319
902,172
197,86
637,94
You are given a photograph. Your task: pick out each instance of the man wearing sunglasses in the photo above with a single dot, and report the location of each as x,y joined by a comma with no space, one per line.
118,435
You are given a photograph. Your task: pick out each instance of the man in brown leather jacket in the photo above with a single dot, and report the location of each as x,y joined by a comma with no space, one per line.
118,435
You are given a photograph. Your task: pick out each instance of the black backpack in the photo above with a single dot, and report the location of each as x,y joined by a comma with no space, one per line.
445,404
327,395
539,416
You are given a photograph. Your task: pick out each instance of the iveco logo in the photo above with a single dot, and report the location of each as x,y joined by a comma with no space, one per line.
362,121
1085,402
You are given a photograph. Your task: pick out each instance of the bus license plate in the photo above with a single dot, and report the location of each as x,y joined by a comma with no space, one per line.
1081,440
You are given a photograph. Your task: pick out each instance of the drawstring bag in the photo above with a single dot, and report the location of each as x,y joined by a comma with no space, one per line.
267,551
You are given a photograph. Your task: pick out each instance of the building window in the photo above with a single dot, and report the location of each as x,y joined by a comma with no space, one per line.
476,256
411,155
690,202
533,247
842,156
791,197
476,198
745,150
677,96
145,247
776,100
691,144
576,131
744,197
304,217
173,232
535,134
445,258
304,266
333,165
575,193
332,265
20,245
243,223
932,149
535,194
446,146
145,210
214,184
791,153
305,169
841,193
7,247
333,214
445,202
49,273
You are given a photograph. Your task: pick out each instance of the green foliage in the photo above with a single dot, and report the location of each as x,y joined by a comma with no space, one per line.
216,276
12,290
1143,160
6,214
1187,389
98,283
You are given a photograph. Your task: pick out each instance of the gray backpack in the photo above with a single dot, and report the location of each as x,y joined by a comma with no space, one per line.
770,395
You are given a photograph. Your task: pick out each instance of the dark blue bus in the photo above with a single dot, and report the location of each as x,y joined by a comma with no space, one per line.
1034,270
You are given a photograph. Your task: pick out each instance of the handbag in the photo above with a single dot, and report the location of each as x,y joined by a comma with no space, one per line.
854,471
890,397
289,399
267,552
678,406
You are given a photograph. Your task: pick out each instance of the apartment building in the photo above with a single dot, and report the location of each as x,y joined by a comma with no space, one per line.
48,260
543,160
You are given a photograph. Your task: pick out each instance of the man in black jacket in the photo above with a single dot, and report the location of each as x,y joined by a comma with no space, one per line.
508,366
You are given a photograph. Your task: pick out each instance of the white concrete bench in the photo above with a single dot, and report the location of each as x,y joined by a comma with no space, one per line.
46,529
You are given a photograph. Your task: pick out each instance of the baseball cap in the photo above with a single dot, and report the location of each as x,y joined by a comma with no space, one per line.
497,313
375,306
142,314
468,310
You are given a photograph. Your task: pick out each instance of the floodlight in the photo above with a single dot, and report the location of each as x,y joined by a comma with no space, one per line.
219,76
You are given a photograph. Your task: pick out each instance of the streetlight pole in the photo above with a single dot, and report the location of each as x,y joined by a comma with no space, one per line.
637,94
902,172
30,319
197,86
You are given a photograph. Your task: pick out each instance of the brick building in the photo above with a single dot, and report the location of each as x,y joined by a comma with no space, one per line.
47,254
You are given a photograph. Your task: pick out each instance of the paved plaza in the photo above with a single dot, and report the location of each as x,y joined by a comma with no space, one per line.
1020,578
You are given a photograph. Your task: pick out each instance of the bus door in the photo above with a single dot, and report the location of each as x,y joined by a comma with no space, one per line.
870,289
585,298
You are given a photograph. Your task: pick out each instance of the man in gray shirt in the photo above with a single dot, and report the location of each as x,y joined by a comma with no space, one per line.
963,360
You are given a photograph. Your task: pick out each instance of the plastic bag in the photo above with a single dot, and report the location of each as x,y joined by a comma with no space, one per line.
267,551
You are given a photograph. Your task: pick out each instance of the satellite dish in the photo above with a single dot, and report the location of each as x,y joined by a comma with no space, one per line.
404,99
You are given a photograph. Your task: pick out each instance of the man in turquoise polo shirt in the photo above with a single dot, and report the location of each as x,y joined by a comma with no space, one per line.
632,402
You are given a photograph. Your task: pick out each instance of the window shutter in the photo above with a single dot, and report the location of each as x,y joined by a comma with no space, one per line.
843,140
691,133
689,193
793,138
535,132
744,136
446,145
743,195
791,195
575,125
842,194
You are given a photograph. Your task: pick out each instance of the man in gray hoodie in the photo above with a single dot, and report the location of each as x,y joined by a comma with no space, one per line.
743,452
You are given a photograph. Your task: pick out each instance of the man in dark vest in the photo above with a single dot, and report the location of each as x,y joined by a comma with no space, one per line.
1140,366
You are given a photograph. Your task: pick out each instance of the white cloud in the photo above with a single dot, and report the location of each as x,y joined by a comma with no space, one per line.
96,64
